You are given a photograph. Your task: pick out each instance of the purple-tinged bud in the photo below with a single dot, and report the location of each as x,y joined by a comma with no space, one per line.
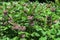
5,12
23,35
15,26
30,17
53,9
22,28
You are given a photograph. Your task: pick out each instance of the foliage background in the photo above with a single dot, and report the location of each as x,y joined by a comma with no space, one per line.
25,20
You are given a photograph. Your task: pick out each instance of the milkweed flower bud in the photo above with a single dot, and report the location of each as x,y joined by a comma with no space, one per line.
56,21
30,17
23,35
15,26
10,20
48,6
5,12
32,23
53,9
22,28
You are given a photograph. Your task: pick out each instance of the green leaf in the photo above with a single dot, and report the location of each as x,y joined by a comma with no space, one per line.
57,39
53,31
58,32
35,34
15,38
23,39
38,28
43,38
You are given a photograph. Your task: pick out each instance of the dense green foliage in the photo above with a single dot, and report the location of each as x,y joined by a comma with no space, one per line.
47,1
29,21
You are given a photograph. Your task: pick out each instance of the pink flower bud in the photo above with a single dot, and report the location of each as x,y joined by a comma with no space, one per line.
53,9
5,12
23,35
32,23
30,17
15,26
10,20
22,28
